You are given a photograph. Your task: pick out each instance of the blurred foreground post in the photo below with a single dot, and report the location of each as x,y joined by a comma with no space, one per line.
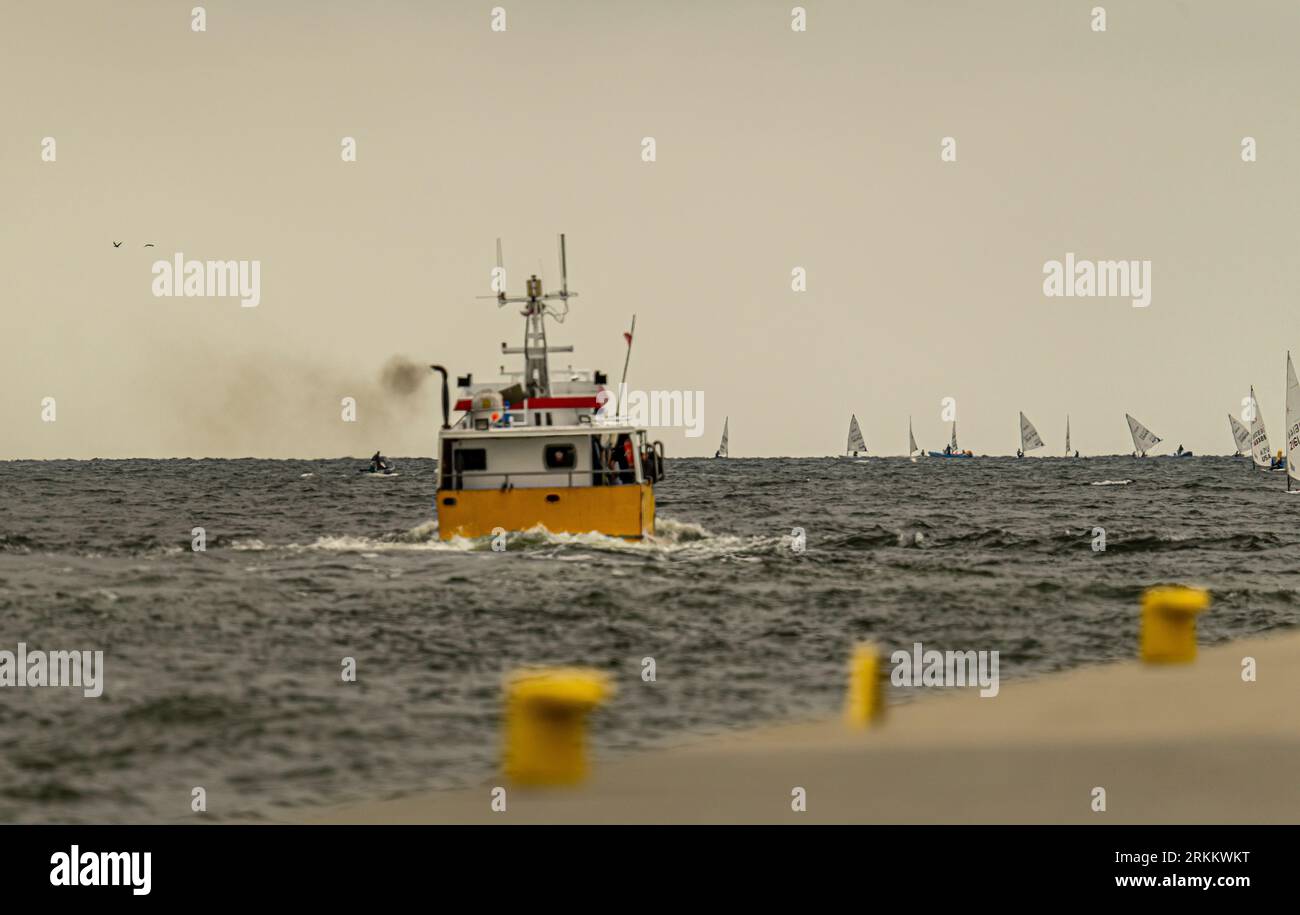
546,723
865,703
1169,623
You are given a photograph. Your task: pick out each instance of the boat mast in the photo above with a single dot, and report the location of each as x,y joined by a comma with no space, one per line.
537,374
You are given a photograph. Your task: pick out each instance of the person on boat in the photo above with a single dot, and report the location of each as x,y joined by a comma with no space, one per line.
1076,454
947,449
608,464
1180,450
1019,453
1279,461
649,465
378,463
625,459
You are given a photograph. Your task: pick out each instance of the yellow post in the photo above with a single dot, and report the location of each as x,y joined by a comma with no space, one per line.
866,699
1169,623
546,723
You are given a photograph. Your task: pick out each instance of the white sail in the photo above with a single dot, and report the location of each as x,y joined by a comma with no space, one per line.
856,442
1292,426
722,448
911,439
1028,435
1067,434
1143,438
1240,435
953,443
1259,449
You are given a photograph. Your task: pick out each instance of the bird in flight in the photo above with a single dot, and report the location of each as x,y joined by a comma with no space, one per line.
117,244
149,245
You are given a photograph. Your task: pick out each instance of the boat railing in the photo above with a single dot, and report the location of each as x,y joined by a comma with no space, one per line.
586,477
505,476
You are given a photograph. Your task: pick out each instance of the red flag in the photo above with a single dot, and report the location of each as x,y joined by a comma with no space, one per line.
628,337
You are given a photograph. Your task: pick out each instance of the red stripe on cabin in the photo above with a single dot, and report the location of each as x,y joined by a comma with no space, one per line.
547,403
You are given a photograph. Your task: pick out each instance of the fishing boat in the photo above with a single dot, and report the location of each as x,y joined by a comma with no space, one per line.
952,451
1029,439
532,451
856,442
722,447
1240,436
1292,427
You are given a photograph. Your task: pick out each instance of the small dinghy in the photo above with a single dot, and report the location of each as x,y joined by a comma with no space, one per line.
1292,428
1029,438
952,451
856,442
1143,438
1240,436
1259,447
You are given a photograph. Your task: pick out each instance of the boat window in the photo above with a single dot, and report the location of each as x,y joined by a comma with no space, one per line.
471,459
561,457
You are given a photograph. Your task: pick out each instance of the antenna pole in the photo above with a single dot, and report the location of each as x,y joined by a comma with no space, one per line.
564,271
501,274
628,357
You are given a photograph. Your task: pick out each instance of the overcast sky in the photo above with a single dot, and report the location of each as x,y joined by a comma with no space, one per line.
775,150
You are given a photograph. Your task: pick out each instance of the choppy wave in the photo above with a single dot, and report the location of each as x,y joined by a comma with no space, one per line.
761,576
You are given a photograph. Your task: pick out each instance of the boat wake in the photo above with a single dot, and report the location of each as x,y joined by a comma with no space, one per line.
675,539
1111,483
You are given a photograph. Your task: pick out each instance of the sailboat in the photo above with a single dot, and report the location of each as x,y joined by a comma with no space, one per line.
856,443
1240,436
952,451
1143,438
722,448
911,440
1292,427
1259,447
1029,439
1067,437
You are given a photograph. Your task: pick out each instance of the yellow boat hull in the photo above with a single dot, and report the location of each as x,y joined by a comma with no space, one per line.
617,511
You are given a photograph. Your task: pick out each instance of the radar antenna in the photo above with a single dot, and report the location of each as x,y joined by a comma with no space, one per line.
537,306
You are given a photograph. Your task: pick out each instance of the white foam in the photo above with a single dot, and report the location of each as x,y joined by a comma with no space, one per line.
1112,483
676,538
348,544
